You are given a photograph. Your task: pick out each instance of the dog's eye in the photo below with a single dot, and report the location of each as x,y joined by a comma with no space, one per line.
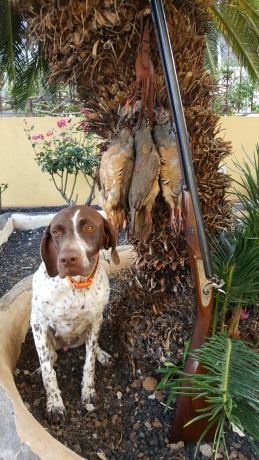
55,233
88,228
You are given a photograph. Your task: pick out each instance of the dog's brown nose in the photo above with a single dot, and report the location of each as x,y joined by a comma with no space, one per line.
68,257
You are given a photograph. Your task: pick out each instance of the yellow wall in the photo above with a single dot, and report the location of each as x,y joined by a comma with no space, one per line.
244,133
29,187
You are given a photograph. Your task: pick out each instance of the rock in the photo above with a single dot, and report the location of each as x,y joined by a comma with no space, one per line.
36,402
101,455
177,446
136,426
133,437
137,383
219,455
150,383
119,395
241,456
148,425
206,450
77,448
157,423
234,454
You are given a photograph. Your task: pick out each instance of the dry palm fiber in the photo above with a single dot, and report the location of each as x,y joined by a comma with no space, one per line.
93,44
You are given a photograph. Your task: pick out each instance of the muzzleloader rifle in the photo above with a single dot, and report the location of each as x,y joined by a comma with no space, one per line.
197,244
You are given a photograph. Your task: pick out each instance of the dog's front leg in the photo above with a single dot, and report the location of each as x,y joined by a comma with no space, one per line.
88,385
55,407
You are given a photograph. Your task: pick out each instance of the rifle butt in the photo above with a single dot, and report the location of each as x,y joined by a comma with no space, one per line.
186,406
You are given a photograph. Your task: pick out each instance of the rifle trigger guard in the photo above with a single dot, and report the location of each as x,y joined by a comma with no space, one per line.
217,284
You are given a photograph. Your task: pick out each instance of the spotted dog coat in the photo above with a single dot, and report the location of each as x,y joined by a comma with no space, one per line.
63,317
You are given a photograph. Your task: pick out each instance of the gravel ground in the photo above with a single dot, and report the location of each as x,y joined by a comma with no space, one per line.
130,421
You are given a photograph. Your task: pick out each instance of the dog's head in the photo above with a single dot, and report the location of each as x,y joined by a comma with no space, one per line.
72,241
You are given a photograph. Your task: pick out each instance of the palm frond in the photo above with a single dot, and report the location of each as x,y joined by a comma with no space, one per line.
236,260
12,40
241,32
211,52
248,192
230,387
32,79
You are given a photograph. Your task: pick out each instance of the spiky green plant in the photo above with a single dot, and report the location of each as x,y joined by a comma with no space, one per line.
230,388
236,260
248,192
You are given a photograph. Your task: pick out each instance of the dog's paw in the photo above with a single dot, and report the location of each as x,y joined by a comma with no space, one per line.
88,397
56,415
104,358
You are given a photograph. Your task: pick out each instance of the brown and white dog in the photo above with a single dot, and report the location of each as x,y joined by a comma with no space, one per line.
70,292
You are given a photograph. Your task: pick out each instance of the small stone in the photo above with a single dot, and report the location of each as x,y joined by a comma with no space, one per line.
128,390
101,455
150,383
219,455
133,436
141,455
89,407
241,456
26,372
137,383
177,446
160,394
119,395
77,448
206,450
114,419
36,402
151,397
233,454
136,426
237,445
59,433
27,405
148,425
157,423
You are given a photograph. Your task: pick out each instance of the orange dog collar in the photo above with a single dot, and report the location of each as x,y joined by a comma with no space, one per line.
77,285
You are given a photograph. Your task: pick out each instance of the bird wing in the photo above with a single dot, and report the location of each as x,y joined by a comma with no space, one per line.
144,174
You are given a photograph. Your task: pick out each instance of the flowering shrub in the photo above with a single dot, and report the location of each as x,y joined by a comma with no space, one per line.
64,152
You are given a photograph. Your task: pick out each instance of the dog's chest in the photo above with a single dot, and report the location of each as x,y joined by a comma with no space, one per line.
67,309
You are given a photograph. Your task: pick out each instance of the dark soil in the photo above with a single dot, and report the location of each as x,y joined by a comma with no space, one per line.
129,422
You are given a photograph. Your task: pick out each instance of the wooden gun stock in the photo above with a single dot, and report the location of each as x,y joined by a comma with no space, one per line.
186,405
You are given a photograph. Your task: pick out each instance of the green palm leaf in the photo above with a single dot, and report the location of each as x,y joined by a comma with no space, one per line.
239,23
230,387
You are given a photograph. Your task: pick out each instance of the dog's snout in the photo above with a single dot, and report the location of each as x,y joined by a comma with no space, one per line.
68,257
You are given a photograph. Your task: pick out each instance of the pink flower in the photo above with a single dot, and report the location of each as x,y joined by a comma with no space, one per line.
40,136
50,132
66,139
25,121
61,123
82,110
243,314
33,138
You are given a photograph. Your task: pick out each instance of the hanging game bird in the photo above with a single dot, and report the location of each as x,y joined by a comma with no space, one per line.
170,175
116,169
144,186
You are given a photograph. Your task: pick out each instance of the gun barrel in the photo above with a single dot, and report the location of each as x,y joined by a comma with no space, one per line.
175,102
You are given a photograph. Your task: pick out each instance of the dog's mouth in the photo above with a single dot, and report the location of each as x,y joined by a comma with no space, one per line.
79,273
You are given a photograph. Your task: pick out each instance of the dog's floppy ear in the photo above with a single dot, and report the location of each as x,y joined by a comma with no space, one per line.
49,253
109,241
